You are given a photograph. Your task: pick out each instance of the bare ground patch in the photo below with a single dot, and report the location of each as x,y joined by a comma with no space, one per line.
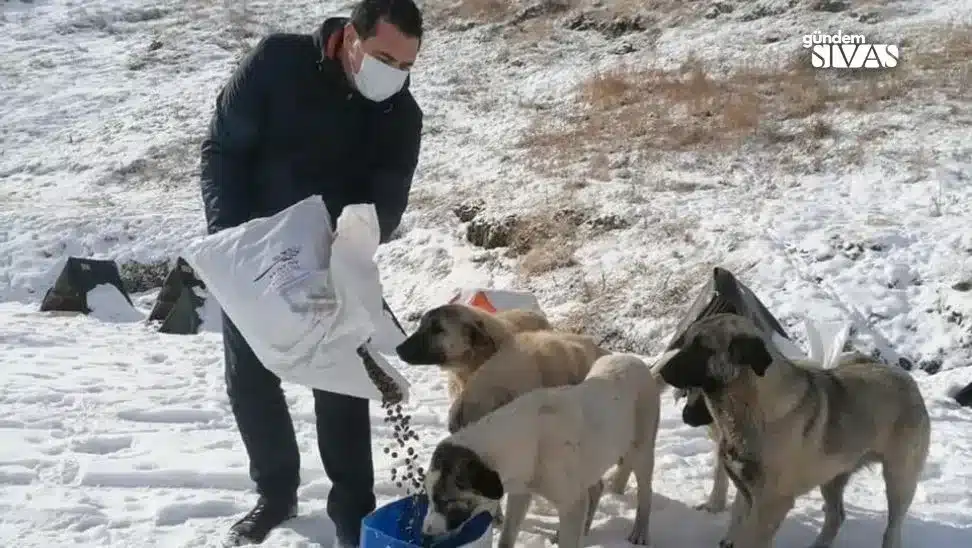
535,19
627,306
648,111
169,166
143,276
610,307
542,240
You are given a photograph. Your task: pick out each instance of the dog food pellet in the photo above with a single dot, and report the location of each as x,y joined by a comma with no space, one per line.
394,414
402,433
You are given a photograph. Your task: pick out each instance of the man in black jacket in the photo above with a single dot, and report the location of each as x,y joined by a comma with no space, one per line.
329,114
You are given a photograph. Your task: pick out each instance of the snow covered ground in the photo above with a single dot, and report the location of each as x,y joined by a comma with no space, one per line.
112,434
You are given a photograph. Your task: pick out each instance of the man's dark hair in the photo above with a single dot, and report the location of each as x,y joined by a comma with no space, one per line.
404,14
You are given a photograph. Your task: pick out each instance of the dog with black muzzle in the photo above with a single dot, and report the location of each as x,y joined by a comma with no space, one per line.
555,443
459,338
785,427
491,361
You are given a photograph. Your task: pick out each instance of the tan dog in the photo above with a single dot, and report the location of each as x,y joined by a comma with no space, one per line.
785,428
491,361
526,362
520,321
460,338
555,443
492,358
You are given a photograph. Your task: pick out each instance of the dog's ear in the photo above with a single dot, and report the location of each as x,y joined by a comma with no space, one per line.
677,343
484,480
750,350
479,336
687,368
455,419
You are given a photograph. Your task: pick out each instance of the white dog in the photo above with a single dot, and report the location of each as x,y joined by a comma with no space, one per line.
556,443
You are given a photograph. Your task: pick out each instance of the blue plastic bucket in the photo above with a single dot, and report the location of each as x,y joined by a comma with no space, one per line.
398,524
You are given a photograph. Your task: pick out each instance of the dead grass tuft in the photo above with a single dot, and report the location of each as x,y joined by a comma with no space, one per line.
485,10
535,19
546,241
944,64
673,110
607,306
440,12
550,256
694,107
598,297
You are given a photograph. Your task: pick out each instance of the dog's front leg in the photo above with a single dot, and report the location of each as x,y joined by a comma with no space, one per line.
739,511
834,514
594,499
498,516
762,522
570,528
516,510
644,474
618,480
720,488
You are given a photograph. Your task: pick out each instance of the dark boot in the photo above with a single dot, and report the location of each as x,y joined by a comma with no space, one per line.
344,440
254,527
262,418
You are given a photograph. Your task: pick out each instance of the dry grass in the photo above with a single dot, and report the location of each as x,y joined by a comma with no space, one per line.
484,10
599,298
692,107
607,305
546,241
550,256
439,12
945,64
539,17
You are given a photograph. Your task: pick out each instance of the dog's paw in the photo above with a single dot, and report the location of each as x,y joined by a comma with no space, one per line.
555,538
639,538
711,507
726,543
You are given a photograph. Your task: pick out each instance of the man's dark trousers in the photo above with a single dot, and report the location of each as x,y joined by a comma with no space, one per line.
343,437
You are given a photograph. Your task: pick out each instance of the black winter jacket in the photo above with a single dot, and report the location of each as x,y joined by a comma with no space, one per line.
288,125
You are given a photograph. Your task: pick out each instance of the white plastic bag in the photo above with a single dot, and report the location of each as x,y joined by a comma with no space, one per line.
789,348
827,341
355,244
302,296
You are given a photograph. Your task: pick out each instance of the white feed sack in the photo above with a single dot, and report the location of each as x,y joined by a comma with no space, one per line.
304,298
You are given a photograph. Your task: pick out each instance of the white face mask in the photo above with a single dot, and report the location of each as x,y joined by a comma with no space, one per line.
376,80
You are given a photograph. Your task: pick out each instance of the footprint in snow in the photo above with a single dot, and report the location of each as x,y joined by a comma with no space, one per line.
180,512
102,445
171,415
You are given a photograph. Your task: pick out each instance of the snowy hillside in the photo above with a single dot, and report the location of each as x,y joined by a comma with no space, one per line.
604,155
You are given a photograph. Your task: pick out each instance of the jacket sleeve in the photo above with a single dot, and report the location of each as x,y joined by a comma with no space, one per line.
228,149
391,181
